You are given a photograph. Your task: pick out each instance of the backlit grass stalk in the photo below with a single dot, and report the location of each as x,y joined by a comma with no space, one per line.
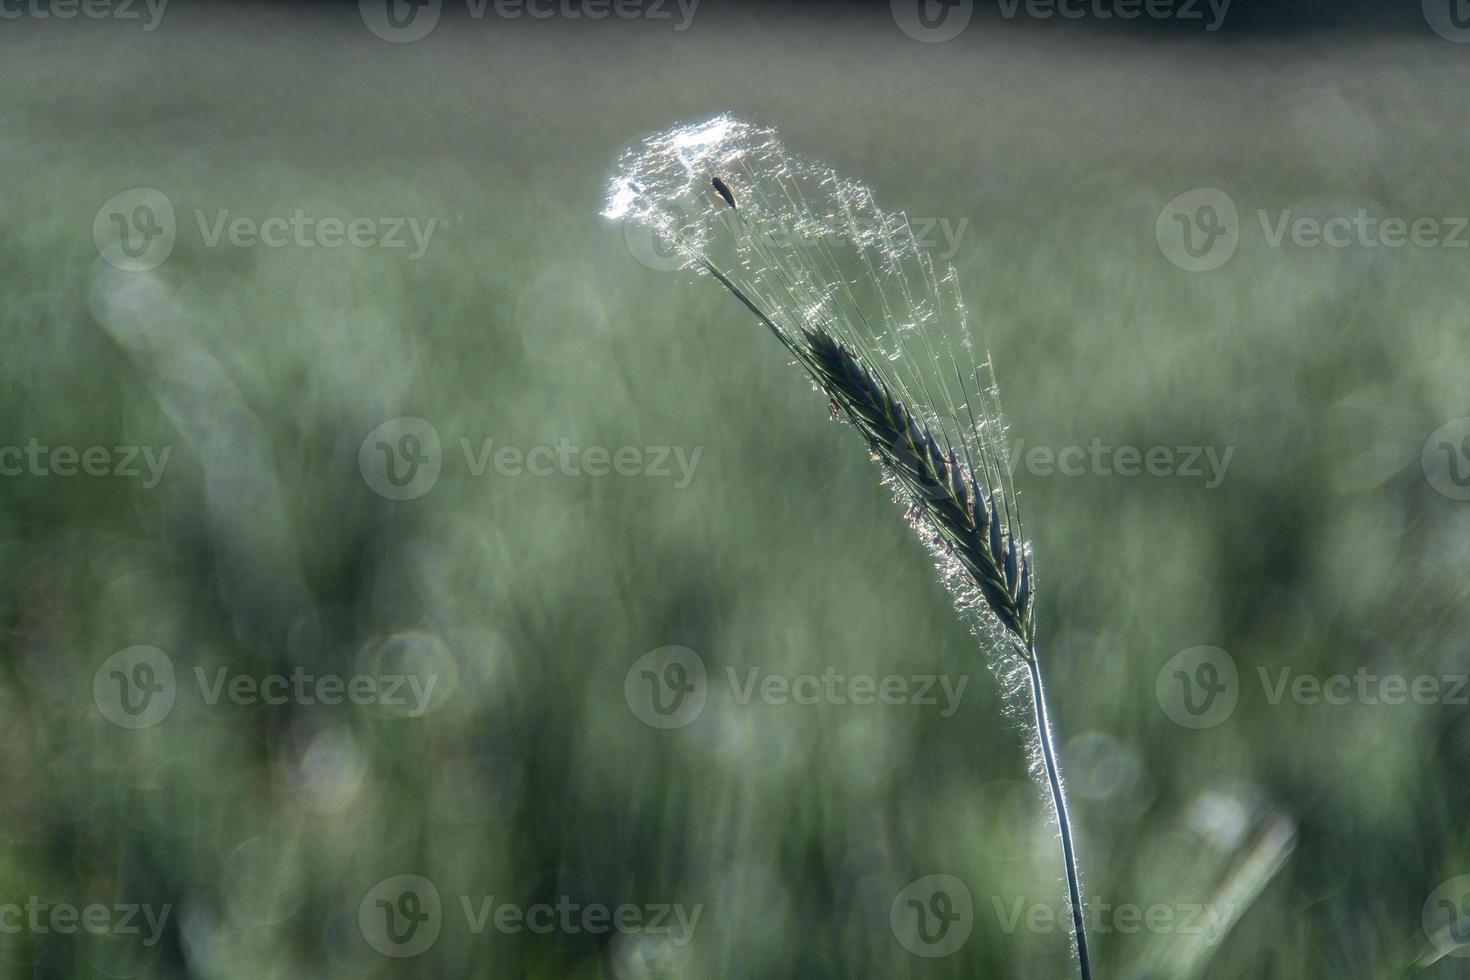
879,327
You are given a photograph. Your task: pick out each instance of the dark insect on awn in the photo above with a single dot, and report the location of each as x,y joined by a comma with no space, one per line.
724,191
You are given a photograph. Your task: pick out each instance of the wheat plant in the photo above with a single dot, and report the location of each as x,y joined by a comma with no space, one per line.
875,319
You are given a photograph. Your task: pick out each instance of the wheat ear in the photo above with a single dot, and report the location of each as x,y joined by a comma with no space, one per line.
995,559
878,338
981,536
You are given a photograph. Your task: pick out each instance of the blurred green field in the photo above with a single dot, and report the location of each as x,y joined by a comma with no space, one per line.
1318,832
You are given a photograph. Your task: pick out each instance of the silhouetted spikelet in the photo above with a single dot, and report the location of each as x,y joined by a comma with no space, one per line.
966,517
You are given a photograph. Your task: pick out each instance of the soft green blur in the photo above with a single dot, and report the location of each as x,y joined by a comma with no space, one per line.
1318,830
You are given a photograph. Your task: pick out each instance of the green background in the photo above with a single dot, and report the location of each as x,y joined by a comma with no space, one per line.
263,549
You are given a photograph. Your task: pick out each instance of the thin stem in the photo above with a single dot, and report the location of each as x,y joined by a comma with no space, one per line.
1059,803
